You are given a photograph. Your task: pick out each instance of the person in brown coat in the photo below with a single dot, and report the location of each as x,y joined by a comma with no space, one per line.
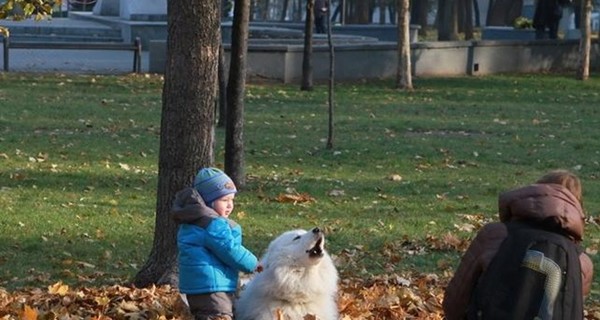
555,201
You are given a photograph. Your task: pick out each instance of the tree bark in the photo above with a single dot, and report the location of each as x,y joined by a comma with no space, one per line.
447,20
404,77
222,74
330,135
419,10
234,134
307,81
585,41
504,12
187,122
468,19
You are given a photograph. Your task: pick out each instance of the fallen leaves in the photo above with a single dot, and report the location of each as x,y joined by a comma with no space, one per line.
295,198
393,296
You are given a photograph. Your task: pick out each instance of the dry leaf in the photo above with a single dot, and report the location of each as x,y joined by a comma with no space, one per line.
58,288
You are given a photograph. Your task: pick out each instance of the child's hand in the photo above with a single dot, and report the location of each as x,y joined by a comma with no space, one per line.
259,268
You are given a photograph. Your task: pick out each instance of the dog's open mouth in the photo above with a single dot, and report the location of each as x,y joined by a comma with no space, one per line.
317,250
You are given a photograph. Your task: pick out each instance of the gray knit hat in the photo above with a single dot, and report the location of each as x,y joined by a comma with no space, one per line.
213,184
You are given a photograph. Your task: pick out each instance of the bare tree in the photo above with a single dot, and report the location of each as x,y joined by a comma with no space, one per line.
585,41
234,138
187,122
404,77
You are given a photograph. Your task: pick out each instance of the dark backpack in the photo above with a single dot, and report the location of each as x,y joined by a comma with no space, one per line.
536,274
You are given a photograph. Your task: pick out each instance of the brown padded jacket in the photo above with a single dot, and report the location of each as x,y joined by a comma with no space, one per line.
533,203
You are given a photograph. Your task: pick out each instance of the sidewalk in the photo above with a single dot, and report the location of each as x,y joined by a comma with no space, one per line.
72,61
66,61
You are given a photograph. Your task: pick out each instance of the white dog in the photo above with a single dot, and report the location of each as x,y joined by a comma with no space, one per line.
298,279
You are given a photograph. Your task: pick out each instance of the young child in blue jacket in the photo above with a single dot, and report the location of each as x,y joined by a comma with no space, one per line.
210,245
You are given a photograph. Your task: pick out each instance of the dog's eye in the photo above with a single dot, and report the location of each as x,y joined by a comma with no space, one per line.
296,238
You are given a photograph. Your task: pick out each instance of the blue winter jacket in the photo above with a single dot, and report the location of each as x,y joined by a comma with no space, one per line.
210,247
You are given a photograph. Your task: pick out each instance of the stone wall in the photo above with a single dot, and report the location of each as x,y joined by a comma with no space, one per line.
429,59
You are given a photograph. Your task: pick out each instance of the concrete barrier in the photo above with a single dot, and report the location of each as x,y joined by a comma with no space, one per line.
431,59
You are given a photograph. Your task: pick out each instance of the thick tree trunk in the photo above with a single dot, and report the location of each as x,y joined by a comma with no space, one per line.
586,40
307,81
187,122
234,137
404,77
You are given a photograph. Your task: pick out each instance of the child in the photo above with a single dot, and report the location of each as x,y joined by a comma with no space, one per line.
553,203
210,245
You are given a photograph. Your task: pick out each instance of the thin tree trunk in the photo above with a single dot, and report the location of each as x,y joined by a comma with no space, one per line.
585,40
187,122
468,20
404,77
284,10
504,12
419,10
234,138
331,135
477,15
307,81
447,20
382,6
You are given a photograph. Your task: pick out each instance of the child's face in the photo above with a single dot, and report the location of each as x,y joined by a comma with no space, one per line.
224,205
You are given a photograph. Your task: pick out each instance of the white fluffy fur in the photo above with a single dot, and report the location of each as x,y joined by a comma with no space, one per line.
293,283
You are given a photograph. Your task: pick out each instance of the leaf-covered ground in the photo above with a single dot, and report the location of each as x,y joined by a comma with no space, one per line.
396,297
414,296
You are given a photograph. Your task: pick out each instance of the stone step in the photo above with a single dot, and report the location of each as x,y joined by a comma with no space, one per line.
63,38
61,29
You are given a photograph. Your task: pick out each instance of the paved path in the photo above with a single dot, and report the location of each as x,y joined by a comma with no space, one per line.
68,61
73,61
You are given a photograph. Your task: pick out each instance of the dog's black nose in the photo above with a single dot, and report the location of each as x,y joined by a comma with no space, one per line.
316,230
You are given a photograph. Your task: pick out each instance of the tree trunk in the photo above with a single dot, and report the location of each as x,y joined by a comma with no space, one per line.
222,74
447,20
404,77
187,122
307,81
477,16
585,41
468,19
504,12
382,11
419,10
362,12
234,134
330,135
284,10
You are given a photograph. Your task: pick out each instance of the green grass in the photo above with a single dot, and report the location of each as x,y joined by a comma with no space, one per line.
78,167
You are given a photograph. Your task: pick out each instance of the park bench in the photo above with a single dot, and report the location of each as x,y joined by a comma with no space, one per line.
136,47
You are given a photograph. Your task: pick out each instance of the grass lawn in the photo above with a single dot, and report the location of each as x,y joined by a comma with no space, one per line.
410,179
